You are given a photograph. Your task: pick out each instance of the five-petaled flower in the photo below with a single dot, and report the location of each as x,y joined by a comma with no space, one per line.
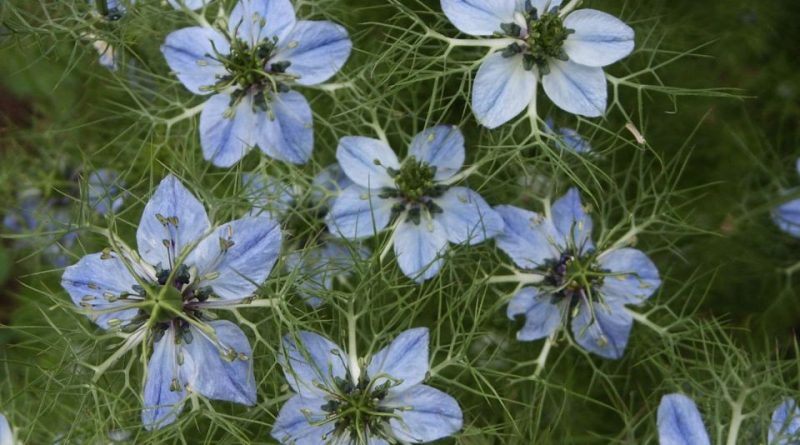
249,70
564,50
337,402
680,423
162,296
417,194
578,284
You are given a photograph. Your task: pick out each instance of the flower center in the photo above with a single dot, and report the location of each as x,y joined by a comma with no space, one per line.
573,277
544,40
415,190
355,408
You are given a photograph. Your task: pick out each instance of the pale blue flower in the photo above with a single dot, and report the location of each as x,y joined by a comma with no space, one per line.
680,423
6,435
564,50
46,224
567,137
184,268
250,77
787,215
417,194
335,400
586,288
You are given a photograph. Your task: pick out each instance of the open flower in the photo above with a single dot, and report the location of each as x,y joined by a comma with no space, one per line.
564,50
249,69
429,212
680,423
338,402
579,285
163,295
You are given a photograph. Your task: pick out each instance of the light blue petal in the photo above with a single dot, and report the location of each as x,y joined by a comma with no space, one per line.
467,217
602,329
572,221
6,435
161,404
784,429
574,141
528,238
267,195
425,414
633,277
328,183
286,131
599,39
679,422
104,191
542,317
358,213
502,89
92,280
294,423
442,147
576,89
405,359
365,160
227,134
315,360
191,4
171,199
216,377
320,265
787,217
316,49
237,271
419,248
479,17
191,53
257,20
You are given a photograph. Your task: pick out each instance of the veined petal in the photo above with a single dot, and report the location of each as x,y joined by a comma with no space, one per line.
479,17
191,54
227,132
787,217
632,277
602,328
467,217
286,130
365,161
221,369
404,360
442,147
542,317
300,422
528,238
257,20
502,89
95,282
172,219
784,428
239,256
316,49
575,88
419,248
572,221
599,39
358,213
310,360
191,4
164,391
679,422
425,414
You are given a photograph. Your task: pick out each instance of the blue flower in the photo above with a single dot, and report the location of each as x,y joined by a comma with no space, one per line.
567,137
6,435
428,212
787,215
248,70
184,268
680,423
47,219
578,284
336,401
564,50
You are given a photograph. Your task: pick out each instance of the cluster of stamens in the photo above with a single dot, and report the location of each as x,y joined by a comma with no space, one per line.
416,189
543,41
572,277
355,408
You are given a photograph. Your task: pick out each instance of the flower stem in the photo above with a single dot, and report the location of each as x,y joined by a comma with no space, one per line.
352,352
736,420
541,360
517,277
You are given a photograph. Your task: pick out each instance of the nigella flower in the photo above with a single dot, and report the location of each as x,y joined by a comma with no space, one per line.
587,288
337,402
429,212
680,423
564,50
6,435
249,69
567,137
185,267
787,215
